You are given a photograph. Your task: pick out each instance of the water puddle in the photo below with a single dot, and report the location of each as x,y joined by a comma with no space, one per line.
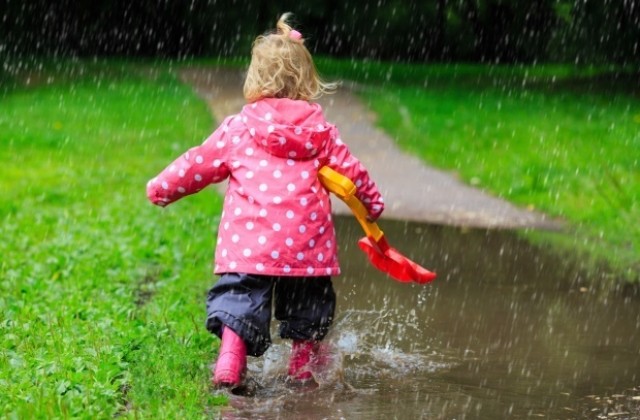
506,331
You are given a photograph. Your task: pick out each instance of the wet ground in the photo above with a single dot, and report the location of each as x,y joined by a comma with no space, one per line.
506,331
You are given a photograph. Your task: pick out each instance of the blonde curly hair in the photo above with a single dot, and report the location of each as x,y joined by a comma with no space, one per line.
282,67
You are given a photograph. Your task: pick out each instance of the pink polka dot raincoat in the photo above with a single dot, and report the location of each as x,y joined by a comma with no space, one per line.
276,218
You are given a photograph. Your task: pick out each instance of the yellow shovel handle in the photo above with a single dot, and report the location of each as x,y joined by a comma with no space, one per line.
345,190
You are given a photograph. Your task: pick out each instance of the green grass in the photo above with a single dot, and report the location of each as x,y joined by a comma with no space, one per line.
560,139
101,294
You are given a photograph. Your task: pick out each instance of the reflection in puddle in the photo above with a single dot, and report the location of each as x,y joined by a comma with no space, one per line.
506,331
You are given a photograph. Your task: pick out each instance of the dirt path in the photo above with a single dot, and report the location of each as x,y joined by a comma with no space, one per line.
411,189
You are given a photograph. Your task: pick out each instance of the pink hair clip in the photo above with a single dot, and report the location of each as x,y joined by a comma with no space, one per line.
295,35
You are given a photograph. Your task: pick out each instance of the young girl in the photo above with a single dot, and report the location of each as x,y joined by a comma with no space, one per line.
276,239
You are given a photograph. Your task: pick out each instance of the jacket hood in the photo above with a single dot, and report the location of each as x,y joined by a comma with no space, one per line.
287,128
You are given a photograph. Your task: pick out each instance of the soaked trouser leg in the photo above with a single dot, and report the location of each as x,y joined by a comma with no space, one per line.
243,302
304,306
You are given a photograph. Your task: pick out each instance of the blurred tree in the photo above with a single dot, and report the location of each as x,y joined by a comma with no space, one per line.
597,30
507,31
427,30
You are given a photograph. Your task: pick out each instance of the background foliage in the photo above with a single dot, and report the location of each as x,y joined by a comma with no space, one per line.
441,30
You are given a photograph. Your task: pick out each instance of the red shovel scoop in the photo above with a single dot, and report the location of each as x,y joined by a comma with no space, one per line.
381,255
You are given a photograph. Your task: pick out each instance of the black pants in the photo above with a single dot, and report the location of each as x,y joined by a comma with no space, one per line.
303,305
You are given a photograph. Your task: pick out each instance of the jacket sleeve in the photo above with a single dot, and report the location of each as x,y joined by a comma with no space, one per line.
342,161
193,170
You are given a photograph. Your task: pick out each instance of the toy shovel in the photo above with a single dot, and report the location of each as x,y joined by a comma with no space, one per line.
381,255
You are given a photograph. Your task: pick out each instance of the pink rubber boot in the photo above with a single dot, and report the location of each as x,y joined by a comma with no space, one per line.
302,354
232,360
